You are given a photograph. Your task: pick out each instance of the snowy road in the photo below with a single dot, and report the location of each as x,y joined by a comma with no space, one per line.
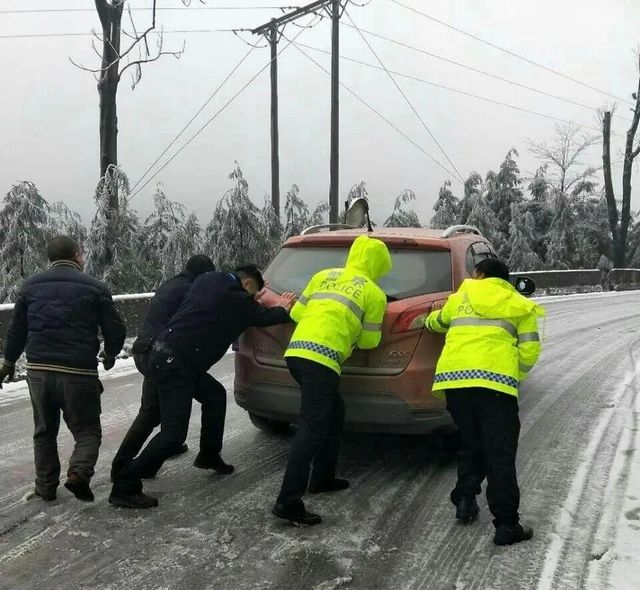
393,530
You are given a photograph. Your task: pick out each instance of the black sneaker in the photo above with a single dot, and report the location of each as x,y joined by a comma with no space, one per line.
135,501
214,462
334,485
79,487
297,516
467,509
508,534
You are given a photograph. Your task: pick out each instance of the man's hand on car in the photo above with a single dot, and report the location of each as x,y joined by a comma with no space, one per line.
108,361
7,371
287,300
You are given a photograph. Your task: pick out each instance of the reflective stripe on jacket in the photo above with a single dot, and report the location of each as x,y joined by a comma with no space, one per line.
342,307
492,337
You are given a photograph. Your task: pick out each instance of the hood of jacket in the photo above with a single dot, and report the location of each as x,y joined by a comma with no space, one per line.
370,257
495,298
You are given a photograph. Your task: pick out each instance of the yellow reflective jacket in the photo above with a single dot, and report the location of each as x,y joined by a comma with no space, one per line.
342,307
492,337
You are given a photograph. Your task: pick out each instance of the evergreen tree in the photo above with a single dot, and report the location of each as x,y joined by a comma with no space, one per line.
272,234
25,227
504,190
522,257
558,249
483,217
472,192
234,235
114,243
402,215
446,209
296,213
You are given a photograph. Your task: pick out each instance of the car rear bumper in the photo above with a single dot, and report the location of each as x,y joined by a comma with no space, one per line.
371,412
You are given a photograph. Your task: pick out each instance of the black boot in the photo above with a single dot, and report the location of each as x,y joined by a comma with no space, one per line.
79,487
181,450
297,515
214,462
134,501
467,509
508,534
46,496
333,485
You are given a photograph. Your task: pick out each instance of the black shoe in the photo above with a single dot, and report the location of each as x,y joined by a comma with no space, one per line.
135,501
334,485
297,516
181,450
46,496
508,534
79,487
213,462
467,509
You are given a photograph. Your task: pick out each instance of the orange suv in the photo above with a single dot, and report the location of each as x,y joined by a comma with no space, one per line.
387,389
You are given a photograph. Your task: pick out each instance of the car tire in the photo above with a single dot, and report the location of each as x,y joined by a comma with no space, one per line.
268,425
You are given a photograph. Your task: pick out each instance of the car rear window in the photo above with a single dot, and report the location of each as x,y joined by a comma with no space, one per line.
415,272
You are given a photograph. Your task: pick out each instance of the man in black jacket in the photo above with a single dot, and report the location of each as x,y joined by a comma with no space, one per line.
56,317
217,309
164,304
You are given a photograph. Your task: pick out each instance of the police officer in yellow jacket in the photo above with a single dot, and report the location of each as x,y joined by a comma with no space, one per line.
341,308
491,345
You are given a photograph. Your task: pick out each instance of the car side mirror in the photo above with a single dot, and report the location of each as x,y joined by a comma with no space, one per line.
525,286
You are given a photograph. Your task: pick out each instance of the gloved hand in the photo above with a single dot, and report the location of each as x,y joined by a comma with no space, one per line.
107,361
7,371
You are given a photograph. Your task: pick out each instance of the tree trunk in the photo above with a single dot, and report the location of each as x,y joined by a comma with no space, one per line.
618,257
110,17
629,156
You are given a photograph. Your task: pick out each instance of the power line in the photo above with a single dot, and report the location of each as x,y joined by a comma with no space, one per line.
204,105
508,52
216,114
406,98
449,88
470,68
139,9
387,121
181,32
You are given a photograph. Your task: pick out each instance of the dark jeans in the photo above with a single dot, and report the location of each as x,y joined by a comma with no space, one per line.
177,382
319,430
489,429
210,394
78,398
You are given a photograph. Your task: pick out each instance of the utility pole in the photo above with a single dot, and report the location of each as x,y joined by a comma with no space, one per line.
271,32
275,154
334,165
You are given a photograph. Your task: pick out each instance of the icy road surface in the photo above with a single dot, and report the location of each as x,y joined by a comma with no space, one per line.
394,529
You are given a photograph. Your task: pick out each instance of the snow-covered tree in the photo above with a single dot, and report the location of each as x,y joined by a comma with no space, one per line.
473,187
483,217
558,250
114,241
503,189
403,216
296,213
64,221
446,208
522,257
234,235
320,213
24,231
272,233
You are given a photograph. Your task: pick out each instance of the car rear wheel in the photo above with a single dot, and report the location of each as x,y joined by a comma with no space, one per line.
268,425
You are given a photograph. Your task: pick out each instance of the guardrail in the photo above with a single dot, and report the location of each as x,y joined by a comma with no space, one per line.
132,307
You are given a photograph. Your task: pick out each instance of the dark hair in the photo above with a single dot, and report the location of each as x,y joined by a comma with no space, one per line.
493,268
251,271
62,248
199,264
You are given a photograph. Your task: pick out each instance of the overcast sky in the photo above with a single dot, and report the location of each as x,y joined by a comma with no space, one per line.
49,121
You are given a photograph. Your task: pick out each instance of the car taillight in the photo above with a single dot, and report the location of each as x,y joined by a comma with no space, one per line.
412,319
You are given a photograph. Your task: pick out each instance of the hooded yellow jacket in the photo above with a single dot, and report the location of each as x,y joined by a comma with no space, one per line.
492,337
342,307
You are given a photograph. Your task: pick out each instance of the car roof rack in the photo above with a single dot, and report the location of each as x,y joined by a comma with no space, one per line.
314,229
460,229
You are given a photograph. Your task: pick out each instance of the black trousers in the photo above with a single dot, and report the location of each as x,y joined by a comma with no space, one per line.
210,394
77,397
489,429
177,383
319,430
